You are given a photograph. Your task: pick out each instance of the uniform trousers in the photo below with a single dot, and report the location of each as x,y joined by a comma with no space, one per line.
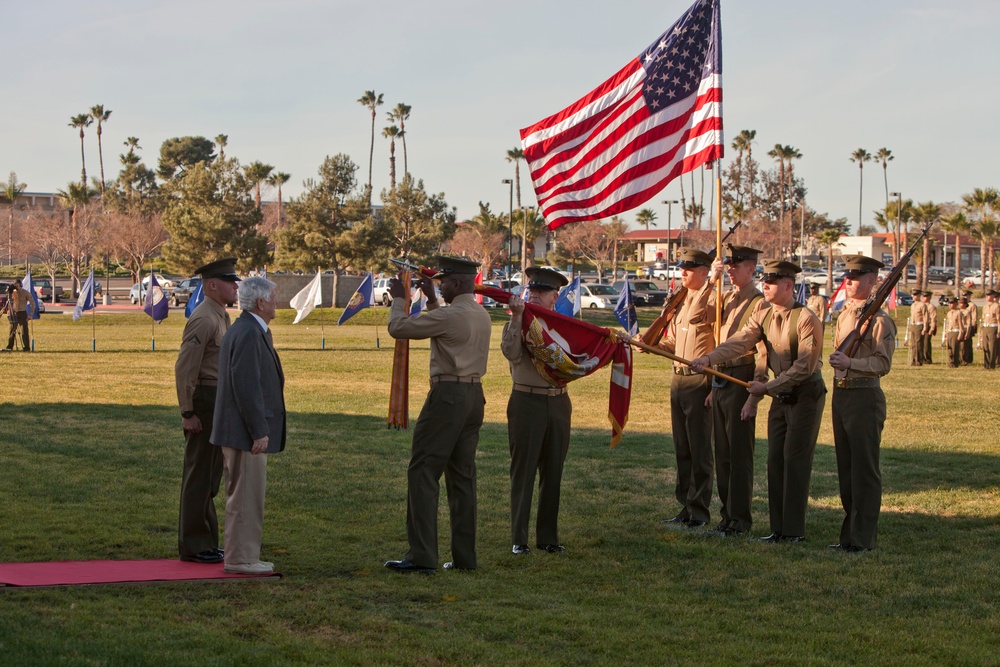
198,524
538,428
858,417
989,347
791,442
444,441
967,347
734,448
927,344
915,343
954,350
692,431
19,321
246,483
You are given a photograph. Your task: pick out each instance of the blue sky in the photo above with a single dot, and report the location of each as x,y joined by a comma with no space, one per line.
282,80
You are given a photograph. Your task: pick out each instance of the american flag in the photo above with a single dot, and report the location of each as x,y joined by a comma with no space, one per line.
660,116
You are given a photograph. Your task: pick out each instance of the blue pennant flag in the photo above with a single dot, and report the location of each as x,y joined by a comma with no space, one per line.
568,302
359,301
34,307
197,296
86,301
156,305
803,293
625,311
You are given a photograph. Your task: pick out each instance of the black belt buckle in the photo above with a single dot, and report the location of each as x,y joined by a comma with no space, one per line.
787,399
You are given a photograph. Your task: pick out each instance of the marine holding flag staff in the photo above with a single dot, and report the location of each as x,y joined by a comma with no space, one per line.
197,377
691,335
538,424
793,337
447,432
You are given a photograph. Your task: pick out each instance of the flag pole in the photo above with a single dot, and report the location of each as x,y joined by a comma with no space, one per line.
93,319
322,329
718,249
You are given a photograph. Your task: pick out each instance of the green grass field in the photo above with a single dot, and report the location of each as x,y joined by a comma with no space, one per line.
91,463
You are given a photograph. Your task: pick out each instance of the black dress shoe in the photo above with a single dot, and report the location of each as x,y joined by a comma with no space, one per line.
695,523
450,565
405,567
732,531
773,538
551,548
207,557
792,539
680,519
838,546
722,527
519,549
854,549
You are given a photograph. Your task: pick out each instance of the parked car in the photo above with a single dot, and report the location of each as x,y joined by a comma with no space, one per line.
380,291
975,278
660,271
517,277
182,293
135,295
904,298
593,295
936,274
44,288
644,292
165,282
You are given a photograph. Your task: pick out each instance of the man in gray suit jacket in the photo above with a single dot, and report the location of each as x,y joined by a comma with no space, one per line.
249,422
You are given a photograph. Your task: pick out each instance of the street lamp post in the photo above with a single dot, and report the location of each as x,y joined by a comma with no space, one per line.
669,203
900,232
510,229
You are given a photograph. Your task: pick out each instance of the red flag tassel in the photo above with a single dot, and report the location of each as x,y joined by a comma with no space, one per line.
399,395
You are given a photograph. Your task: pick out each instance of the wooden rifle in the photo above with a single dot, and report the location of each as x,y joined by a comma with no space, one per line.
875,300
673,303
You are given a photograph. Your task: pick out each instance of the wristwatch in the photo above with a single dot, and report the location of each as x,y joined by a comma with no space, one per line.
187,414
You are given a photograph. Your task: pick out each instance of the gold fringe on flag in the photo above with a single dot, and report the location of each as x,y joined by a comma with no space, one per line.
399,396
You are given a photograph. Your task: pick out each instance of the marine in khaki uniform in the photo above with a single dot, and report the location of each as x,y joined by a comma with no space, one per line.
859,407
988,335
197,377
447,430
955,330
817,303
538,424
734,413
971,312
18,299
692,335
915,330
793,336
930,327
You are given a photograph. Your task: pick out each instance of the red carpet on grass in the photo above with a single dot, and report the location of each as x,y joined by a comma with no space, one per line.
72,573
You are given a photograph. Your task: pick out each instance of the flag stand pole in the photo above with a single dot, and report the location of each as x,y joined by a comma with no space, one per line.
718,249
93,320
322,330
378,345
152,330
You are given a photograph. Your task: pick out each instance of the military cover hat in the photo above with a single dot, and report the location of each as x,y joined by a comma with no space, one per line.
967,293
741,253
544,279
858,265
813,287
917,292
456,265
689,258
223,269
993,292
927,293
779,268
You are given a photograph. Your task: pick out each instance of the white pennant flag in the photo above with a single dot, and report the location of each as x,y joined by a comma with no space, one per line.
310,297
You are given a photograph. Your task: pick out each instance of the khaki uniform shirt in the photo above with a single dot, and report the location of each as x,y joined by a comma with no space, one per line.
734,308
459,334
918,314
968,319
788,372
873,355
692,333
991,313
817,304
954,322
19,299
198,359
522,369
930,318
971,315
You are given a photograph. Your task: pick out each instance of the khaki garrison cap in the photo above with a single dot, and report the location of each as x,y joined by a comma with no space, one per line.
858,265
223,269
689,258
779,268
544,279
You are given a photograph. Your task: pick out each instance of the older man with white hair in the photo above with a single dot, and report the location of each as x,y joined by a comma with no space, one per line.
249,422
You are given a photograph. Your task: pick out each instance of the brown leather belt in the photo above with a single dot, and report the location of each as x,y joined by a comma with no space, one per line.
466,379
541,391
746,360
856,383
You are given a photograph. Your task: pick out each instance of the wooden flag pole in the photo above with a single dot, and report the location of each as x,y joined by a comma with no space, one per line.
718,250
674,357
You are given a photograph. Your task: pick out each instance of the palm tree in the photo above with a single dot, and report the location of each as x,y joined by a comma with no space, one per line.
885,156
11,191
76,197
257,172
923,214
515,155
781,154
829,237
861,156
372,101
892,220
646,217
400,115
614,230
222,140
391,133
956,224
98,113
529,226
744,142
276,180
982,204
790,153
81,121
